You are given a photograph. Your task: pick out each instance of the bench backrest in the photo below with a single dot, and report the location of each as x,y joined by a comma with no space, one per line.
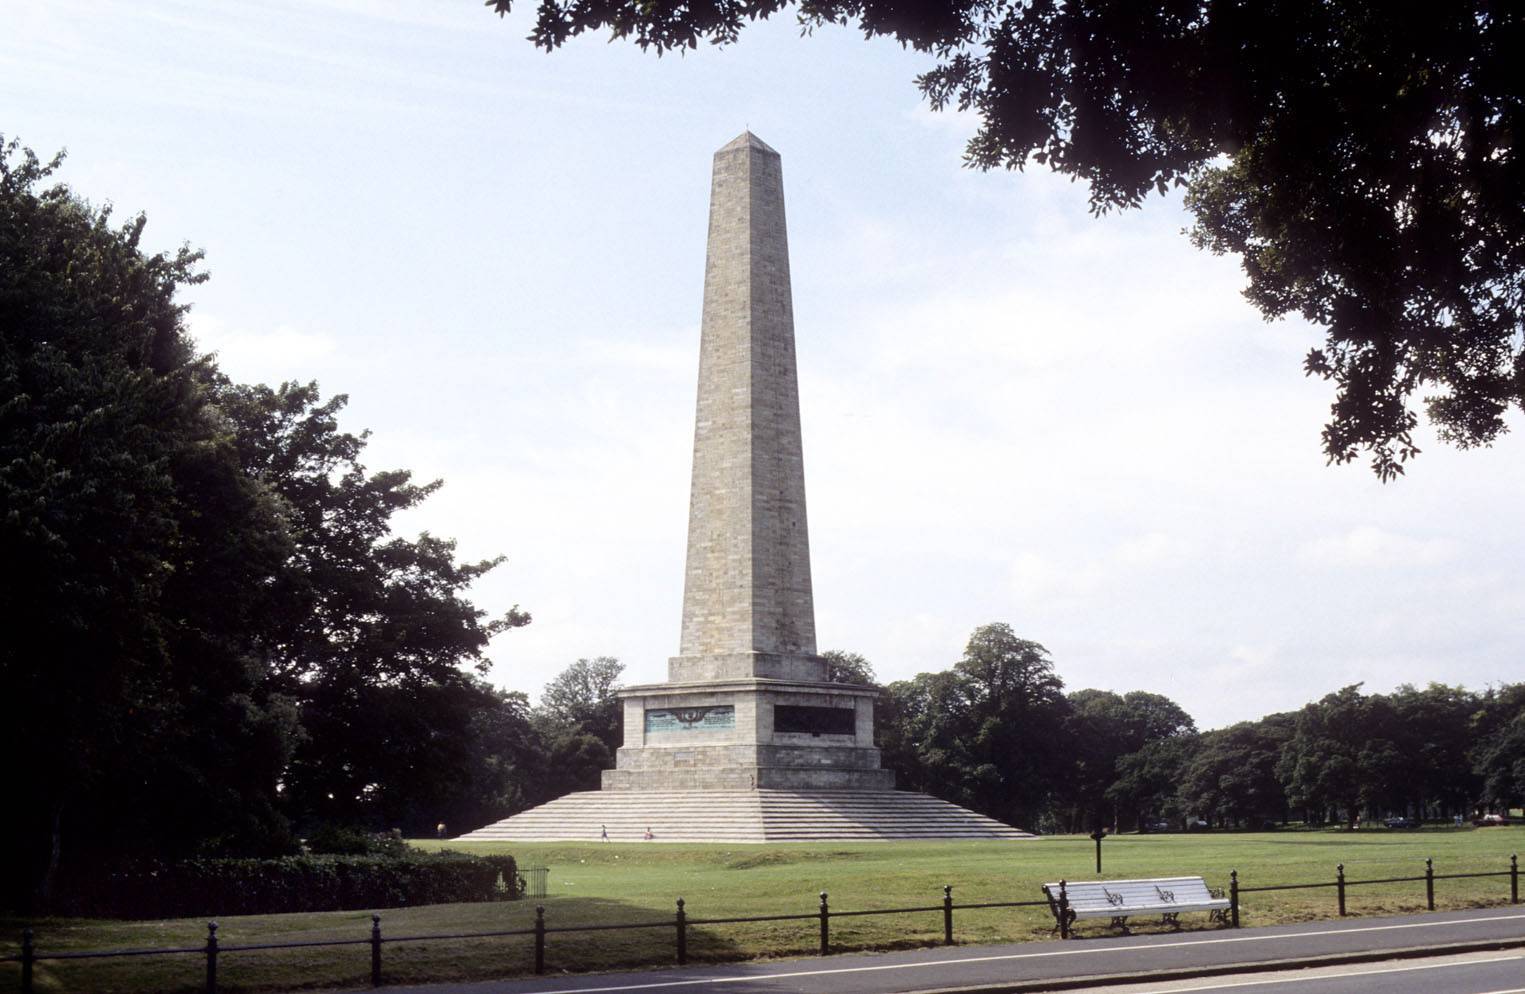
1125,895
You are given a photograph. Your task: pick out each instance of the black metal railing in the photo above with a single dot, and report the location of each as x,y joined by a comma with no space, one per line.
1341,884
212,949
533,881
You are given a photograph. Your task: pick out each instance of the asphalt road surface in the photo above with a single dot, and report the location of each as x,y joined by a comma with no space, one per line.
1052,965
1475,973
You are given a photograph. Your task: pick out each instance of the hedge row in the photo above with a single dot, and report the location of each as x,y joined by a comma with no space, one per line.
212,887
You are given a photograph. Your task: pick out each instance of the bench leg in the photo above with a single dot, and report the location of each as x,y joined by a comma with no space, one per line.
1173,919
1121,922
1218,916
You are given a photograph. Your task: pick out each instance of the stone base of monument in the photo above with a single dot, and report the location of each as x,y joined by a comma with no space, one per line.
745,816
748,733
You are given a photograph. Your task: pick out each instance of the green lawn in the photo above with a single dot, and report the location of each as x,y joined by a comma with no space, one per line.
614,882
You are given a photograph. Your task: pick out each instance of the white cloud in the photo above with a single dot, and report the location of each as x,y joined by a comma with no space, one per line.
1370,546
638,355
282,353
1152,549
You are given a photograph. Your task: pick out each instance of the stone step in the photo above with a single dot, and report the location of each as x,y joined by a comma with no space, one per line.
752,816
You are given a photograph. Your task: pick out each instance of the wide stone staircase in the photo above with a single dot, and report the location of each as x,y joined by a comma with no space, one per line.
745,816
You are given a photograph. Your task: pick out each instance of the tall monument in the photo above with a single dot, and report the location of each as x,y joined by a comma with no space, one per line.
747,741
747,606
747,703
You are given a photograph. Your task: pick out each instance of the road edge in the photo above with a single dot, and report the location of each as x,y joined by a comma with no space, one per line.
1229,969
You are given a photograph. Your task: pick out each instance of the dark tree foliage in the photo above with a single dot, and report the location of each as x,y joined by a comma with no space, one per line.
1499,757
918,721
584,698
1343,758
580,724
134,706
1435,742
988,734
372,628
849,667
994,733
1230,779
1102,729
1147,787
1363,160
214,629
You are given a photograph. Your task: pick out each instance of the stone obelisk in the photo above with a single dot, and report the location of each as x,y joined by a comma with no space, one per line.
747,607
747,741
747,703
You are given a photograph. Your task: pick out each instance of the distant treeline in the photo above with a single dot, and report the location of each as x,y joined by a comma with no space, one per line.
998,733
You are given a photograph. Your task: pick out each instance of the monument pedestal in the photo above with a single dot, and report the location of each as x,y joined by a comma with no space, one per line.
747,733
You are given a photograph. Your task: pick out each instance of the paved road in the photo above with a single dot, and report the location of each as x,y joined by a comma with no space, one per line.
1475,973
1032,966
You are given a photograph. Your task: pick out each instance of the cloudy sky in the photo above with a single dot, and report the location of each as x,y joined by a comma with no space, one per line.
1013,411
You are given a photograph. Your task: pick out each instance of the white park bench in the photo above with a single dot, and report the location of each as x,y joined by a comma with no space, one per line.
1120,900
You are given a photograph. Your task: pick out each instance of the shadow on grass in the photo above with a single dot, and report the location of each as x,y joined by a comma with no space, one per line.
404,959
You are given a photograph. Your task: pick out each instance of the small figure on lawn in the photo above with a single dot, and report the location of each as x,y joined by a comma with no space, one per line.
648,836
439,830
604,832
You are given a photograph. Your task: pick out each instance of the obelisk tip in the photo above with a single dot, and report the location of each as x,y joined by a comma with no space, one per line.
747,140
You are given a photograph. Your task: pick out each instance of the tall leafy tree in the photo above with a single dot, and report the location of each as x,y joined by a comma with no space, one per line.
1148,782
1499,753
135,551
580,721
1232,776
585,697
1364,162
233,634
372,629
1342,756
988,734
1102,729
849,667
1434,772
919,727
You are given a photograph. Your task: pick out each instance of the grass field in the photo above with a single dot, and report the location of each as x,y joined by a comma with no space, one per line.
594,883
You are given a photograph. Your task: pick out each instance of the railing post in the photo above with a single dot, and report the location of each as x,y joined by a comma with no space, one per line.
1429,882
28,957
1339,885
1514,878
825,926
1233,898
375,950
682,934
1064,911
947,914
540,939
211,958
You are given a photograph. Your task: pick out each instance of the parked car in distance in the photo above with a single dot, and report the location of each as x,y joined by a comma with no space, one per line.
1488,820
1401,823
1157,826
